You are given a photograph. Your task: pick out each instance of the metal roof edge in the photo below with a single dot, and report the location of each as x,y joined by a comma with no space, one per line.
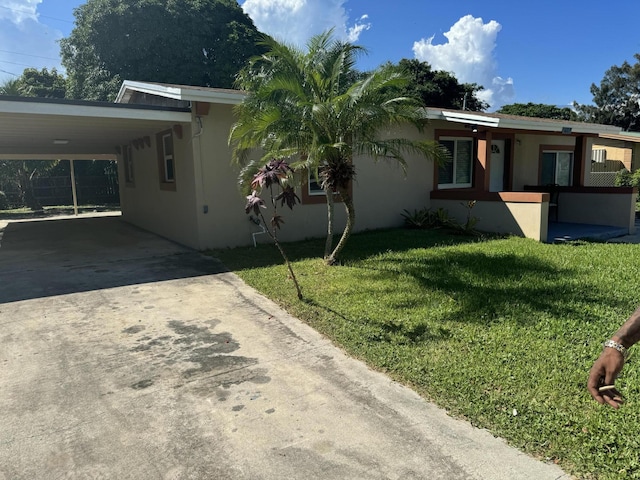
180,92
15,105
518,123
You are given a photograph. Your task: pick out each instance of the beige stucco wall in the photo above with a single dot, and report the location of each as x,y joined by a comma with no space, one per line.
167,213
526,219
598,209
381,191
526,159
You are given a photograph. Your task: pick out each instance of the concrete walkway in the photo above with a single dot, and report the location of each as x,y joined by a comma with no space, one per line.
125,356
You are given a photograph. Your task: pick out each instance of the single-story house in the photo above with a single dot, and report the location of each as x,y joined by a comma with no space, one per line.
612,153
177,180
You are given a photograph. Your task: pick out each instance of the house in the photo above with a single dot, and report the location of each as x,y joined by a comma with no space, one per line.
612,153
177,180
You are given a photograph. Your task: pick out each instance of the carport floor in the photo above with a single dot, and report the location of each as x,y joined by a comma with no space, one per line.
125,356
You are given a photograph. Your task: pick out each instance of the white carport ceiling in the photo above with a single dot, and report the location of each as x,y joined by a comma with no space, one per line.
29,126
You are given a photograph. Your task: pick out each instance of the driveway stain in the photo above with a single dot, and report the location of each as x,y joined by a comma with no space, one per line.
133,330
142,384
201,355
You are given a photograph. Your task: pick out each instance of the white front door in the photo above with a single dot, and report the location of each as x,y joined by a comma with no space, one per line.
496,167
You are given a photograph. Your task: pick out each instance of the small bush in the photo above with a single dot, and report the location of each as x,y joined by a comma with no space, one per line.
624,178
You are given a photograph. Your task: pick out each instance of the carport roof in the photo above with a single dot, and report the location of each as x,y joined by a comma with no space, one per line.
41,128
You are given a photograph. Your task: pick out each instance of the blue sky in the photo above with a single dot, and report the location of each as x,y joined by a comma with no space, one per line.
542,51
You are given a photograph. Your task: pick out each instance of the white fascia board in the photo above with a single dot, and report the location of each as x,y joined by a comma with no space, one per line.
92,111
229,98
522,123
151,88
470,118
526,124
179,93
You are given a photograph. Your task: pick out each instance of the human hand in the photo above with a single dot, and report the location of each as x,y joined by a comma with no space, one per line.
602,378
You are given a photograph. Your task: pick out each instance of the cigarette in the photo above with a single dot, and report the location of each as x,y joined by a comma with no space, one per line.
606,388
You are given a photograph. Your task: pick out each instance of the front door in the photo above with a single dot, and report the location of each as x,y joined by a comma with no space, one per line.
496,183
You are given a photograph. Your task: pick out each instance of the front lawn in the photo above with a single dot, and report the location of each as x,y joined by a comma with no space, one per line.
501,331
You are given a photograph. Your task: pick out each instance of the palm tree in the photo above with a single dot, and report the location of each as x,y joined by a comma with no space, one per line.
315,108
12,87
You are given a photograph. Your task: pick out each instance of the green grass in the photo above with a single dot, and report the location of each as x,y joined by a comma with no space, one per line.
483,328
24,212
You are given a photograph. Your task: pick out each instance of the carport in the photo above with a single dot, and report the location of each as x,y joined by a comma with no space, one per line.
55,129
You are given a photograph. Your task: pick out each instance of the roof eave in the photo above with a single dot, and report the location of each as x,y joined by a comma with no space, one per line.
178,93
522,123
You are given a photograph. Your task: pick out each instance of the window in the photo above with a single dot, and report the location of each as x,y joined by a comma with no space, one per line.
456,171
312,192
556,168
166,160
127,160
313,186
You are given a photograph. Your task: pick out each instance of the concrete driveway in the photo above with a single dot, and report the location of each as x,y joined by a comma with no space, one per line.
125,356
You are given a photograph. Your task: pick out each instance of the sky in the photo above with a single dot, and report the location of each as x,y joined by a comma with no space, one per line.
541,51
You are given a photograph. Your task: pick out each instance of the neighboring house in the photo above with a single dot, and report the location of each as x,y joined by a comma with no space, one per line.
613,153
177,180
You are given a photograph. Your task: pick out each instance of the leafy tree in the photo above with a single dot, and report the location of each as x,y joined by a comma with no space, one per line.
42,83
617,99
190,42
302,105
21,174
437,88
36,83
539,110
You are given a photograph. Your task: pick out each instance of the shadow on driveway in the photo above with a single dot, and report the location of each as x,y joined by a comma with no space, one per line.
54,257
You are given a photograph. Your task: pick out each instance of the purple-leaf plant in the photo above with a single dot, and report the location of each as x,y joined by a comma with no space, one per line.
273,174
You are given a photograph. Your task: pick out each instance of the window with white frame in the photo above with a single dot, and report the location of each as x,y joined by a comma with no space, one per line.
127,160
556,168
457,171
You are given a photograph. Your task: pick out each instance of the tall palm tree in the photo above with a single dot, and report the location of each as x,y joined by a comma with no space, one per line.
314,107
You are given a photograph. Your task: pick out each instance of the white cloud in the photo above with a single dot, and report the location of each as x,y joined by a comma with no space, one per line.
295,21
353,34
468,54
17,11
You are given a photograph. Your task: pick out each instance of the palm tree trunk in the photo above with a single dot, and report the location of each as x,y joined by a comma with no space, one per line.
330,207
351,220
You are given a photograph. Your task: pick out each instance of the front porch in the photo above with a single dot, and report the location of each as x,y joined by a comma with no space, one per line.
583,212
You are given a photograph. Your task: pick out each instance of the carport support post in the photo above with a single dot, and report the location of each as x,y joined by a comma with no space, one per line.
73,189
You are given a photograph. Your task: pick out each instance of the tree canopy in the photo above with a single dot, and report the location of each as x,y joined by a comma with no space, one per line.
539,110
617,99
306,105
36,83
437,88
190,42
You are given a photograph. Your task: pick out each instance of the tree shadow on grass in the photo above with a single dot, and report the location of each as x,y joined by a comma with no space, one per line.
361,245
487,287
